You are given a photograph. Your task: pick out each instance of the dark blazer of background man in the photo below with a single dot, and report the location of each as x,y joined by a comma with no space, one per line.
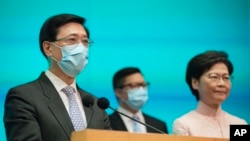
37,111
130,81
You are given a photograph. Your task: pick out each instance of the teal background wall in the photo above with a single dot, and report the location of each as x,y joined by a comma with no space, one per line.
158,36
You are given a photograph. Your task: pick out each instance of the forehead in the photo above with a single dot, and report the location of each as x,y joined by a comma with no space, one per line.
71,29
220,68
136,77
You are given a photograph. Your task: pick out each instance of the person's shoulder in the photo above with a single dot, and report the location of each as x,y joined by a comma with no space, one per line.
113,115
85,92
28,91
28,84
187,115
185,118
31,90
182,123
233,119
152,118
24,86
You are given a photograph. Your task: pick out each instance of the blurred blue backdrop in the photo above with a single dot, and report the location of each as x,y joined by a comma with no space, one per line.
158,36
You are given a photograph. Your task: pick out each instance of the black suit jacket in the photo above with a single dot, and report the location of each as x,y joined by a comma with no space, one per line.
35,112
116,123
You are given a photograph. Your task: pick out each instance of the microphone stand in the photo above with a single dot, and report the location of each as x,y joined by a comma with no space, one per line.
138,121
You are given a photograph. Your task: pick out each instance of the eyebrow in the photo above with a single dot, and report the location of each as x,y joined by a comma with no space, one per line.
74,34
219,73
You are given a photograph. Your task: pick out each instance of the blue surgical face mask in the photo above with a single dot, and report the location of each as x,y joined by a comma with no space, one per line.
137,97
74,59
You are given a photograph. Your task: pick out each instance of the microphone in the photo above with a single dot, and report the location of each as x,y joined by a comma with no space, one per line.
88,101
103,103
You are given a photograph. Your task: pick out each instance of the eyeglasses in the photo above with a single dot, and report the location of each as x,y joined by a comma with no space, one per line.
72,40
216,77
134,85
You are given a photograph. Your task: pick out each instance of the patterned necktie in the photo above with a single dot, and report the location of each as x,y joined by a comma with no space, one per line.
74,110
136,125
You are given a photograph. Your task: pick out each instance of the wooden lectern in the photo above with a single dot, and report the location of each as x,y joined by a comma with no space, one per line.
110,135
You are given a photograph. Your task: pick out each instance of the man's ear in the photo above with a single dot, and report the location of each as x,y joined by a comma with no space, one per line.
195,83
47,48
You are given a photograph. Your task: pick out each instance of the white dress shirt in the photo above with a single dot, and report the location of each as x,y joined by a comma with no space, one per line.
59,85
129,122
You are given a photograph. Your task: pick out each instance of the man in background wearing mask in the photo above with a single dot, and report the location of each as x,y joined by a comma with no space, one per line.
132,93
50,108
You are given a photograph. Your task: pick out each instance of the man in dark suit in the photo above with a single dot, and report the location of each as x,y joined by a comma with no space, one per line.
132,93
43,110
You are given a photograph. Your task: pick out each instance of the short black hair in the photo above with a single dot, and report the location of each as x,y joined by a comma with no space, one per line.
202,62
120,76
49,29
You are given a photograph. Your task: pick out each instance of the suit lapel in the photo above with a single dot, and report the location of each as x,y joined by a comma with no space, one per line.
88,111
56,105
147,121
118,122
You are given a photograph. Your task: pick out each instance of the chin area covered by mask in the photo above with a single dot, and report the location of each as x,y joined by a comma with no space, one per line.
137,97
74,59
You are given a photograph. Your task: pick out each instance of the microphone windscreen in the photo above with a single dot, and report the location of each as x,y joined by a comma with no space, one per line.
103,103
88,101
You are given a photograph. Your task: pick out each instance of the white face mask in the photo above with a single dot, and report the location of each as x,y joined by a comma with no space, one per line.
137,97
74,59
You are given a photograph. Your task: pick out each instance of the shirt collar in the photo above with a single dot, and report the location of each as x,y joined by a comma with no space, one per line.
58,83
204,109
126,112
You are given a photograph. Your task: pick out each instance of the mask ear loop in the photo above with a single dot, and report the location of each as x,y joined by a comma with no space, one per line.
55,59
55,45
